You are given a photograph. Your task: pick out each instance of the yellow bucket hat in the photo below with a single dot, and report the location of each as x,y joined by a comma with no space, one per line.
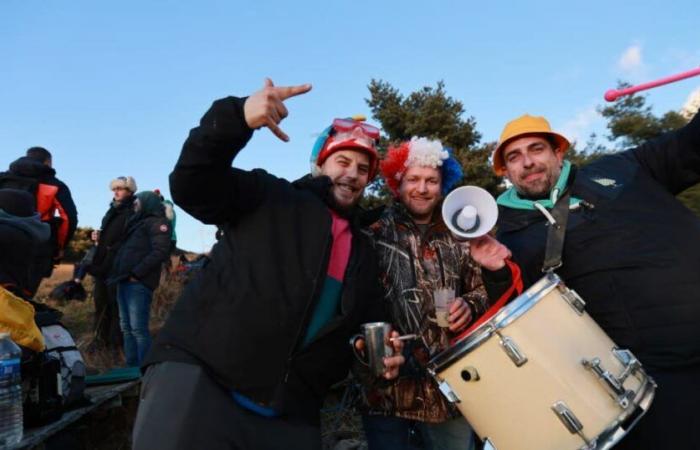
525,124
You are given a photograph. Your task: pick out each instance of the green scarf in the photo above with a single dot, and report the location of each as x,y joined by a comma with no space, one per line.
511,199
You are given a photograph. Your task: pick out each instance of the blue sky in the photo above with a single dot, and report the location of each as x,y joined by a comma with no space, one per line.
113,88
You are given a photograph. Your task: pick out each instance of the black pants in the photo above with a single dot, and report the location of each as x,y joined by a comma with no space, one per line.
106,323
673,421
182,408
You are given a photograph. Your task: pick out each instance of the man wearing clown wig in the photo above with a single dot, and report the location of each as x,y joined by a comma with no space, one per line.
419,260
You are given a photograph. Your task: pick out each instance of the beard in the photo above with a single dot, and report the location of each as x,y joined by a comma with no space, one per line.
538,189
342,200
422,211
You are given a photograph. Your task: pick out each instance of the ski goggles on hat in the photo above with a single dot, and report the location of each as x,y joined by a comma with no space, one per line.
356,136
343,126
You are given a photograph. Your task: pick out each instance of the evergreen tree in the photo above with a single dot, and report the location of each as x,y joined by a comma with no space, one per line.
429,112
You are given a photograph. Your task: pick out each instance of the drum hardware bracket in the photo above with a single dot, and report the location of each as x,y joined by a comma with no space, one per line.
512,350
447,391
570,421
632,364
613,385
445,388
573,299
488,445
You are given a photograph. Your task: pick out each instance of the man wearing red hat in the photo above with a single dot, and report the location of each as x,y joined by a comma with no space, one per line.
258,338
627,246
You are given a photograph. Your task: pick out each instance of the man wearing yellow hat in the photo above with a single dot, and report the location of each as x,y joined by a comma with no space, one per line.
626,245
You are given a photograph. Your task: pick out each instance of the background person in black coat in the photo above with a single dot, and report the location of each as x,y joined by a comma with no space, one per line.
136,272
107,240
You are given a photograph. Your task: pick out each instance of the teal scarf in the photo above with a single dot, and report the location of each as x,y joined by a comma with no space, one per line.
511,199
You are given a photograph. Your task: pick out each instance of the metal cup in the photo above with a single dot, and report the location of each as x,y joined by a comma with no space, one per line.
377,346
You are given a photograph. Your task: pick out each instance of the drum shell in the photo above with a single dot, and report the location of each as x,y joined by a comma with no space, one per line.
511,405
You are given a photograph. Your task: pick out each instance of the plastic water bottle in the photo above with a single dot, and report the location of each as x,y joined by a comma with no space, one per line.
10,392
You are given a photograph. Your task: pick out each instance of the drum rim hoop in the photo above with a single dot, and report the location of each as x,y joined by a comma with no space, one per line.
643,399
507,315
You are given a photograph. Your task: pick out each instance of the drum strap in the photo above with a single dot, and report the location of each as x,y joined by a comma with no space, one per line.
555,234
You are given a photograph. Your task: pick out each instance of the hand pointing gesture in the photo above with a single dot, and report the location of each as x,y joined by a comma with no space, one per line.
265,108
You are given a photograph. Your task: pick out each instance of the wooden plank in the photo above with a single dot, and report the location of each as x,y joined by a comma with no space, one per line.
98,395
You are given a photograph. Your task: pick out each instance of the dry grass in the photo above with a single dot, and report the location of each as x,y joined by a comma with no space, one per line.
78,316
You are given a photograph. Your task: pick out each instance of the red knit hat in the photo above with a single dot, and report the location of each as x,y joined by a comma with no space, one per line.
346,134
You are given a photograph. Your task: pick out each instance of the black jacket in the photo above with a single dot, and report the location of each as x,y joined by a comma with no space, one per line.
20,238
112,235
145,248
633,254
30,168
243,318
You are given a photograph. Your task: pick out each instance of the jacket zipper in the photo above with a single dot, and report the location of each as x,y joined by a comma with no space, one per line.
311,303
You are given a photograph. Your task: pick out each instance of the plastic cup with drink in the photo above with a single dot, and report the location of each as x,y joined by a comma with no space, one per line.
443,298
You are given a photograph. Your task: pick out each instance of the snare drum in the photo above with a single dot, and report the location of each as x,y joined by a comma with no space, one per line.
541,374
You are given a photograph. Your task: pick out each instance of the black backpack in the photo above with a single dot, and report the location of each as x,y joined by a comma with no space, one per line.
42,401
9,180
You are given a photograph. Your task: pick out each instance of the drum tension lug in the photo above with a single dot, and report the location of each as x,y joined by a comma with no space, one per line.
512,350
447,391
573,299
569,419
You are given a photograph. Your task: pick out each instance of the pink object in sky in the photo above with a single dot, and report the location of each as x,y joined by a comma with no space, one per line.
614,94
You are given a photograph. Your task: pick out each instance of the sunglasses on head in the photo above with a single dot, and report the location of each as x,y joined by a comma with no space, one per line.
348,125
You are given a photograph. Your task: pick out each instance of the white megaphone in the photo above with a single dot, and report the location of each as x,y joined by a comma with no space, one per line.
469,212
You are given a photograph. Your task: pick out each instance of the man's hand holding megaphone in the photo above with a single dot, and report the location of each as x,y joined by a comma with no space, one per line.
488,252
470,212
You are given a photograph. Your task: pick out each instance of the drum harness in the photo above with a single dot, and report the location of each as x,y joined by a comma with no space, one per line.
557,230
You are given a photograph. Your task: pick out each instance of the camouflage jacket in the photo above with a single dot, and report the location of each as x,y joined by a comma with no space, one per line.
412,264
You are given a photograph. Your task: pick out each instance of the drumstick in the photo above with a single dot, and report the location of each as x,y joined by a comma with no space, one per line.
405,337
614,94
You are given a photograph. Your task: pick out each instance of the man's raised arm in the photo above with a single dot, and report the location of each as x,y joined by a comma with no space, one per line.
203,182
